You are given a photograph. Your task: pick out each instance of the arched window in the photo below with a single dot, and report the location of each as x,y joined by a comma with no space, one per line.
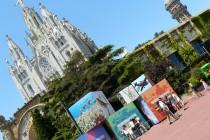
20,77
30,89
30,22
57,44
68,54
45,67
63,39
61,42
36,22
24,74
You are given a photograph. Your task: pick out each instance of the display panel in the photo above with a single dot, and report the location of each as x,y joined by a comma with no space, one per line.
125,119
97,133
151,97
91,110
147,111
127,95
141,84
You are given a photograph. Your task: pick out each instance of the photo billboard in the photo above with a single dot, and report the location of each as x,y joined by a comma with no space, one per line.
91,110
141,84
97,133
151,97
123,117
127,95
147,111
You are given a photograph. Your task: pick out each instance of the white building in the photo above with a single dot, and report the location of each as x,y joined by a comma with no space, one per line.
52,41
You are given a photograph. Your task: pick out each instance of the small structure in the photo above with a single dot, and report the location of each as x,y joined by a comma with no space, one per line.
20,128
177,10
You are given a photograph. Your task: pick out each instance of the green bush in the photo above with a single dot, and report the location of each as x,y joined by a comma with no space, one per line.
195,77
66,134
178,81
195,81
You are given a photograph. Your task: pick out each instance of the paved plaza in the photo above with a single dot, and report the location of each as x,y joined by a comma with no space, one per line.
194,123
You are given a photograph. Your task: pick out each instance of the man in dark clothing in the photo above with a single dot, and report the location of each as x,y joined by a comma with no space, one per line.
166,110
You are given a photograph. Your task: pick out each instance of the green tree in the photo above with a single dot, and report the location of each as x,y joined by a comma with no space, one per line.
185,50
80,77
43,127
158,70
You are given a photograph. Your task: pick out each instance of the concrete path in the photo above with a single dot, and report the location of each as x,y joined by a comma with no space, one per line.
194,123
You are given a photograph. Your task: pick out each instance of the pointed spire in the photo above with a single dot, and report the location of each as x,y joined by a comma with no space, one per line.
15,51
11,44
44,11
31,17
21,3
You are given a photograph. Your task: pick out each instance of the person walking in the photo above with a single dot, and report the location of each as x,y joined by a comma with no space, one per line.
167,111
171,102
198,94
205,85
179,102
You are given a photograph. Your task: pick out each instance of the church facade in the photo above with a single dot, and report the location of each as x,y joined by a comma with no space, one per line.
53,42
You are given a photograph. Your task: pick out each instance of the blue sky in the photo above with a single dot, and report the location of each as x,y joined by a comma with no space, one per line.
119,22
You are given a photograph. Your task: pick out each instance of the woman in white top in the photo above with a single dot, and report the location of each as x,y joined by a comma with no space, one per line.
167,111
179,102
125,131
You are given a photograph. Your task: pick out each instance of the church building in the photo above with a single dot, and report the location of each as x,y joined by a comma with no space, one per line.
52,42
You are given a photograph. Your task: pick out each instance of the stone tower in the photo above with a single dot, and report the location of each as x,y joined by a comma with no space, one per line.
53,42
177,10
24,73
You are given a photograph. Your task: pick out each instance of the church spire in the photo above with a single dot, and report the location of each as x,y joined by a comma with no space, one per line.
15,51
31,17
44,11
21,3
